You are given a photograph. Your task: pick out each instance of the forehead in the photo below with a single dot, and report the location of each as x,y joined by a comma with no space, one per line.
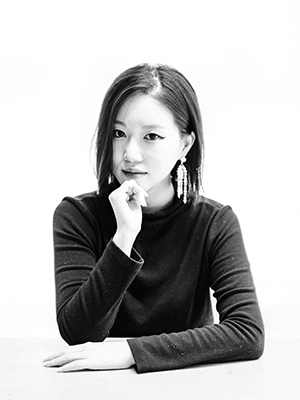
145,110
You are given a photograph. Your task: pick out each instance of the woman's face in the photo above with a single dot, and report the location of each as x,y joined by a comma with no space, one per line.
146,146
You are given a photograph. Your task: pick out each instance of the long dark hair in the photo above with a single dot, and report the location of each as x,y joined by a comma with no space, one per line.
173,90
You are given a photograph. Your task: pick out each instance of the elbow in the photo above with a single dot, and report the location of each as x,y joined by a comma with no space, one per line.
249,340
255,349
67,334
78,335
255,344
258,346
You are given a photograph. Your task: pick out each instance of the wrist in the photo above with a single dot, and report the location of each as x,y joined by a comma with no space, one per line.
130,358
124,240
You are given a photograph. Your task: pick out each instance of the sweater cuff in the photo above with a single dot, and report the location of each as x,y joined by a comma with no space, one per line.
144,357
134,258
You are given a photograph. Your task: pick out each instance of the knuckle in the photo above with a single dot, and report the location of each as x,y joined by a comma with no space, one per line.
67,357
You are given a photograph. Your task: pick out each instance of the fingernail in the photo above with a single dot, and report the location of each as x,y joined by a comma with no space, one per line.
142,200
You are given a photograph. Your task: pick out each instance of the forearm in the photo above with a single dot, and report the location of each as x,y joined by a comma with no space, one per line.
87,310
225,342
124,240
240,333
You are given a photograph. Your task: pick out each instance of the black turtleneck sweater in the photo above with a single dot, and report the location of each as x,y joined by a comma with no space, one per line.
160,296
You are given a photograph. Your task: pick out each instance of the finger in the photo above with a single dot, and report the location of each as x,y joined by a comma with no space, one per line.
77,365
52,356
71,349
136,188
64,359
140,199
132,186
135,192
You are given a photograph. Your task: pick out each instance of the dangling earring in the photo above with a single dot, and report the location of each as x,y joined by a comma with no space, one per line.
110,178
182,180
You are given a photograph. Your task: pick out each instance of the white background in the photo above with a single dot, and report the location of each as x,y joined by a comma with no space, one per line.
57,59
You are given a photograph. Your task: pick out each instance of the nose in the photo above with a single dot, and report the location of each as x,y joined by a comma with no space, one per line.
132,152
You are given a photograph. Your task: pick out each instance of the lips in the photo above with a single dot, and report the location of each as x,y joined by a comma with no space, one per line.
133,174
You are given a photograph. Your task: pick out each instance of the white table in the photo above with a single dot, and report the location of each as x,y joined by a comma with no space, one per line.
275,376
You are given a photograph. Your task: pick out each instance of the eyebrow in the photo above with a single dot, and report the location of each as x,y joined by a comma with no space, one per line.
150,126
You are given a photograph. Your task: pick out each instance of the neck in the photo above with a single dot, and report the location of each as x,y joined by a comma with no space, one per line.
159,197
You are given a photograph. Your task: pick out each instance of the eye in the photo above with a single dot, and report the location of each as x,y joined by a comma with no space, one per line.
153,137
117,134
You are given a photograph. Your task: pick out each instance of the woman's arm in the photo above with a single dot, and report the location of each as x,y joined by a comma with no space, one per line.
88,292
240,333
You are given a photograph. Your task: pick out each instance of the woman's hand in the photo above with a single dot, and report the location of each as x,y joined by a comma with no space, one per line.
126,202
95,356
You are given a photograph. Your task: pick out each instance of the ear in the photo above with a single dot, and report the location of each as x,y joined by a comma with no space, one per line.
188,141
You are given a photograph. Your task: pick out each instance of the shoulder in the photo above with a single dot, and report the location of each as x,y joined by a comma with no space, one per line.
81,202
208,203
87,206
210,208
214,215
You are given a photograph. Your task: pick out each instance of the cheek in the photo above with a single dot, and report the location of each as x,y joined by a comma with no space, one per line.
172,153
117,155
165,161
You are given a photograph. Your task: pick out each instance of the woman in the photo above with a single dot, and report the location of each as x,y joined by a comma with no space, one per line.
136,260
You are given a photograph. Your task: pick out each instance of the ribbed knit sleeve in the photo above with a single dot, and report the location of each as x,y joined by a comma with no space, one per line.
239,335
88,291
158,297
